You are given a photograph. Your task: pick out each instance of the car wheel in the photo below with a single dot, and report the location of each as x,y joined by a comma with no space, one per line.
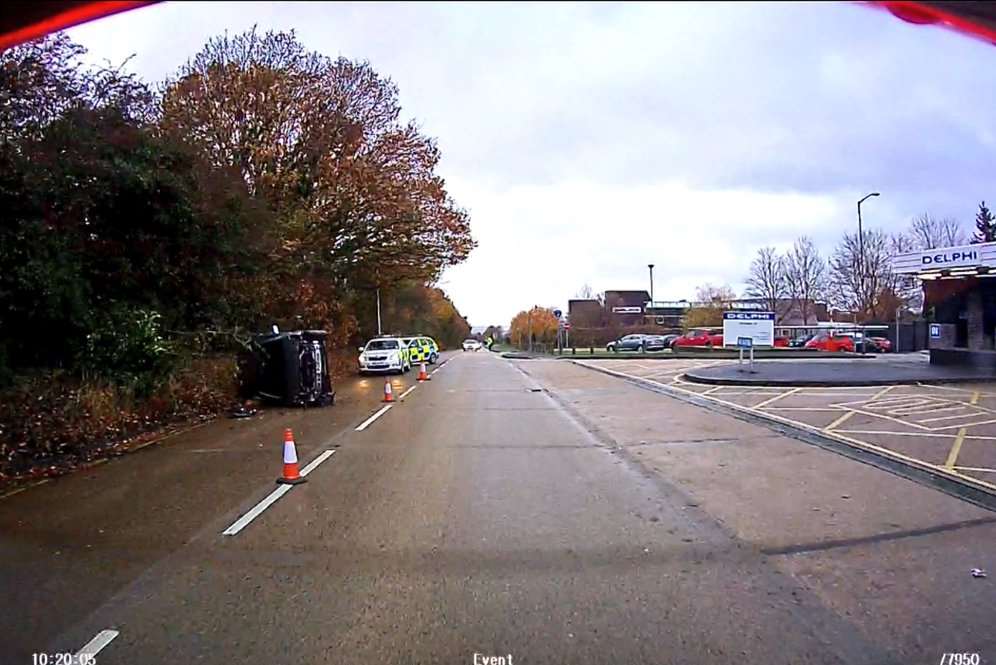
708,345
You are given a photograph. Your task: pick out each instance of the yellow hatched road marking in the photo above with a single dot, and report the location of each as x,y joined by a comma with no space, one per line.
776,398
975,398
955,449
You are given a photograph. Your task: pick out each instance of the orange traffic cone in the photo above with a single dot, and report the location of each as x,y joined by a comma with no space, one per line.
422,374
292,476
388,395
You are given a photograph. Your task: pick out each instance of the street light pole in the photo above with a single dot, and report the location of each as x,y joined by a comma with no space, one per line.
861,262
378,312
651,266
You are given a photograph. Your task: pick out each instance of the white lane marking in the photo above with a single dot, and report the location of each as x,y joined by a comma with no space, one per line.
244,521
366,423
405,394
272,497
313,464
93,647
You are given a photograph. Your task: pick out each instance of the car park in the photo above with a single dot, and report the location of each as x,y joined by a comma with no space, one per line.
384,354
471,345
833,342
422,349
699,337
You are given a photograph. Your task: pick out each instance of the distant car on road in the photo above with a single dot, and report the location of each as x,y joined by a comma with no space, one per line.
385,354
699,337
833,342
627,343
471,345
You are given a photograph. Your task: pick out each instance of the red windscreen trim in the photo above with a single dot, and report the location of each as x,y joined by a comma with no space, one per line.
85,11
924,13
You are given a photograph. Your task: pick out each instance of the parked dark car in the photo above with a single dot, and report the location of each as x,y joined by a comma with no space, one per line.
669,339
626,343
655,343
800,341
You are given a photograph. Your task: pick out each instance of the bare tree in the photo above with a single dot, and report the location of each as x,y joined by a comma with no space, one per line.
766,280
805,275
870,287
585,293
928,232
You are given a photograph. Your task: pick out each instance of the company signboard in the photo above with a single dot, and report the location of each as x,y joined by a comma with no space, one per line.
627,310
982,255
759,327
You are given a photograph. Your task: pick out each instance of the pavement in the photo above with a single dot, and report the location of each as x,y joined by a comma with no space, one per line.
534,510
883,370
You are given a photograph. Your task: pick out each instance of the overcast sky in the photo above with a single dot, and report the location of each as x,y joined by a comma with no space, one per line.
589,140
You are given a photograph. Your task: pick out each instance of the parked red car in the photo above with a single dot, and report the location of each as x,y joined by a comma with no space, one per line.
831,342
699,337
781,342
883,344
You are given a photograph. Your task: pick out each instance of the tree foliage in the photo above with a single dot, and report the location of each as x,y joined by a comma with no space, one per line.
985,225
320,141
539,322
265,184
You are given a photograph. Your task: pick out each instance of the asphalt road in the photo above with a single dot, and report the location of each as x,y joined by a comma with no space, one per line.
483,514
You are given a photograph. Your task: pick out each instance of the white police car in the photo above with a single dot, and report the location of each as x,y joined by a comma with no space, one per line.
385,354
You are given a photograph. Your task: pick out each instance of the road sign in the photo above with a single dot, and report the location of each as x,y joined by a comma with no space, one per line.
935,331
758,326
557,313
567,326
745,342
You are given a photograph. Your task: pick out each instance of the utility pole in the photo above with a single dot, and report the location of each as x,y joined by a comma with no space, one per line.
651,266
529,325
378,312
861,263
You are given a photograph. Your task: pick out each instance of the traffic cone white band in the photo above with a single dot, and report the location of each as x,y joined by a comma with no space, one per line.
290,453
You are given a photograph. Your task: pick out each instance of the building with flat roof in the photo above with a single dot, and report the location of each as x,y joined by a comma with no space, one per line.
959,293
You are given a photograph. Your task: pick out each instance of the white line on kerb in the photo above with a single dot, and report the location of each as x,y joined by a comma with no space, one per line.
94,646
366,423
405,394
272,497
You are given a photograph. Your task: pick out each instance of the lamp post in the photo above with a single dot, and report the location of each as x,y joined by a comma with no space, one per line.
861,261
651,266
378,313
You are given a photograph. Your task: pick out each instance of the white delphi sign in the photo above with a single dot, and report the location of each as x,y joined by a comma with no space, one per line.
758,326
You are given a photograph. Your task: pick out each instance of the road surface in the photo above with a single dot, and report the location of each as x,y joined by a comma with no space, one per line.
533,510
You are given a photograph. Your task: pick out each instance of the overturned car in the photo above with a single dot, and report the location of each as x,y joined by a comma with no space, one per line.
288,368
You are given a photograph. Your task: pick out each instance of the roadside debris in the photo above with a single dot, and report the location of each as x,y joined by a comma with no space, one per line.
243,411
978,572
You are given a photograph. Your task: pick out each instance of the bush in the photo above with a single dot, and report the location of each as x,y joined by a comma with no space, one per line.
128,347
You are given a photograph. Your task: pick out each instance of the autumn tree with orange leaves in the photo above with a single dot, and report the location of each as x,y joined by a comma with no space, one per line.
539,320
357,199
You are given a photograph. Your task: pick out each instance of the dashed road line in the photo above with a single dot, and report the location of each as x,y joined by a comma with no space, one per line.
405,394
94,646
366,423
273,497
